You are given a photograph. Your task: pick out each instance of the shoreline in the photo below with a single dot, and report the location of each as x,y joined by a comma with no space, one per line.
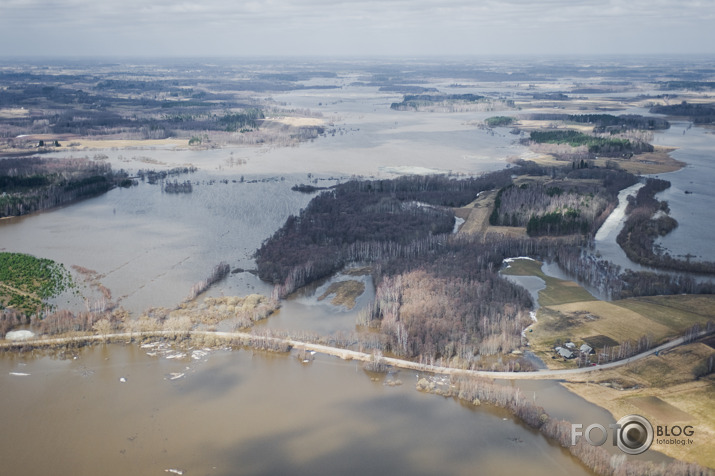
247,339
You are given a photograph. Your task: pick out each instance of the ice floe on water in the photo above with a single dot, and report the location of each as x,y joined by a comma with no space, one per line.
199,354
167,351
19,374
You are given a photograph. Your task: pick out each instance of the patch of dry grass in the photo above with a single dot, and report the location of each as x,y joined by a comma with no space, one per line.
344,292
616,322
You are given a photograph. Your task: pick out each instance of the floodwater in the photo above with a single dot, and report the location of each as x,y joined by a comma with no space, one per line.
151,247
305,310
694,210
239,412
363,137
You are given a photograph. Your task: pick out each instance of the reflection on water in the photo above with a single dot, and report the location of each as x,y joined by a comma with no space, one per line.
235,412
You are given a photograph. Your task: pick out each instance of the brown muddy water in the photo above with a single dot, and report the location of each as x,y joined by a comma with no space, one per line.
240,412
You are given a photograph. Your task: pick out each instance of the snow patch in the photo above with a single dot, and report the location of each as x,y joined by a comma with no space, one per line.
511,260
19,335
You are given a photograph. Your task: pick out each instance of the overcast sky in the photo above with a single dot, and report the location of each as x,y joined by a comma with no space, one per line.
354,27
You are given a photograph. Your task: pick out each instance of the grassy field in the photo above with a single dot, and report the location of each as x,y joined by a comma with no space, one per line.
344,292
674,312
83,143
664,390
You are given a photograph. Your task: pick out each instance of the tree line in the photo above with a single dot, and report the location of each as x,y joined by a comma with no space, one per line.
606,122
32,184
415,101
604,146
698,113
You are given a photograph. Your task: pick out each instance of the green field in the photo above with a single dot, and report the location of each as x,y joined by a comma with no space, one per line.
25,281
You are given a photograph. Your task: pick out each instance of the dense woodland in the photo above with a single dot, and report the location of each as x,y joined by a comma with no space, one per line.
698,113
565,205
415,101
602,145
31,184
364,220
606,122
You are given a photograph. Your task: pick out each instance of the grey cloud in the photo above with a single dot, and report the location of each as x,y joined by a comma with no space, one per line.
353,27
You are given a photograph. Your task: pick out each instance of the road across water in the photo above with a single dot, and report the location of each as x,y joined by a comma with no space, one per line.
346,354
